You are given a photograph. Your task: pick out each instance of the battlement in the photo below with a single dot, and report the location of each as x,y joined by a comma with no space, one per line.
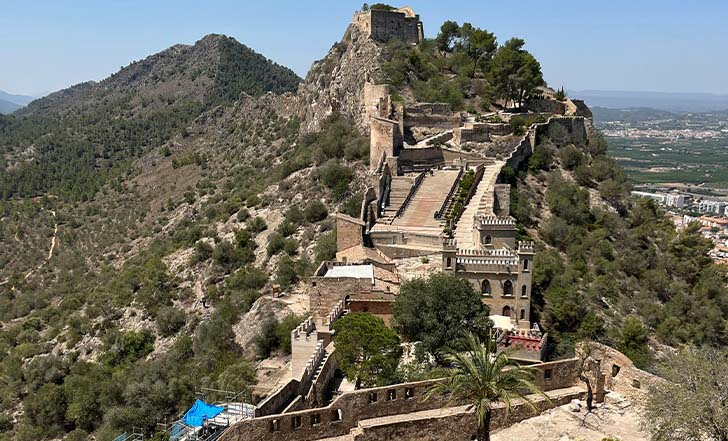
383,25
486,252
303,330
494,221
525,247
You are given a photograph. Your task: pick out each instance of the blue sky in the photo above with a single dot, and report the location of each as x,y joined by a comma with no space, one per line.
655,45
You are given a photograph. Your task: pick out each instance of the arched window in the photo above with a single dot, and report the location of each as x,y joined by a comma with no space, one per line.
448,262
507,311
487,240
525,265
523,314
485,287
524,291
508,288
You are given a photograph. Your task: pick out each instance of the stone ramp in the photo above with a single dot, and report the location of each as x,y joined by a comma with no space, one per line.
481,203
429,198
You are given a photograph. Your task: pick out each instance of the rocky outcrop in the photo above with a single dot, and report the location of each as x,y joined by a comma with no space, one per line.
335,83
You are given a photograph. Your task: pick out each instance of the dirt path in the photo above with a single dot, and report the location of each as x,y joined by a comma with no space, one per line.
50,252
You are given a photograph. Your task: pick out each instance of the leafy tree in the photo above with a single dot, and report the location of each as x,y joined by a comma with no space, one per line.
238,377
633,342
485,381
514,73
449,32
325,248
46,408
689,405
438,311
366,350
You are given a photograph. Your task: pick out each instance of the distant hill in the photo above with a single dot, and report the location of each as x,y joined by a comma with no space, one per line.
215,69
10,103
671,102
80,131
8,107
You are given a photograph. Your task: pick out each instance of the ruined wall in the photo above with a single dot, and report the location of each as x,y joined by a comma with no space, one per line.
349,232
278,399
382,25
479,132
345,412
457,425
324,293
502,201
546,106
384,140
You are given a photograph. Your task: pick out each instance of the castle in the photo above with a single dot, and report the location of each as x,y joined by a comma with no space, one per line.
384,24
432,204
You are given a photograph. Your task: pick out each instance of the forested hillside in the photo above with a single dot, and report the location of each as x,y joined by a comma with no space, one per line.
72,142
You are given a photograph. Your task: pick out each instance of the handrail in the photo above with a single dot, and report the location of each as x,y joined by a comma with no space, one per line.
473,188
410,195
448,199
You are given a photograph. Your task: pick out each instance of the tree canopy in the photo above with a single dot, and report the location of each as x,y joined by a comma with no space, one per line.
367,351
438,311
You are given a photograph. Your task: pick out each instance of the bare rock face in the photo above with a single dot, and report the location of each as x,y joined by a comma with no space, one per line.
335,83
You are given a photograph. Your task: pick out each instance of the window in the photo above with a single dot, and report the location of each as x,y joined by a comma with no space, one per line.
507,311
485,287
547,374
372,397
523,314
409,393
275,425
487,240
336,415
525,265
315,419
391,394
508,288
296,422
524,291
448,263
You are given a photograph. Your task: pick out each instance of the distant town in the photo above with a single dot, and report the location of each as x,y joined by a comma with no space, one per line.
684,208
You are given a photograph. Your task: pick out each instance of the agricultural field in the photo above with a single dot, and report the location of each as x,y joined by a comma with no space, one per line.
660,147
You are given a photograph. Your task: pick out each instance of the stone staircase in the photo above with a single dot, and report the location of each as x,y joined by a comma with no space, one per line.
401,187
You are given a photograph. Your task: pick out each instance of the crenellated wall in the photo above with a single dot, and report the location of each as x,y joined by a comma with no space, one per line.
347,410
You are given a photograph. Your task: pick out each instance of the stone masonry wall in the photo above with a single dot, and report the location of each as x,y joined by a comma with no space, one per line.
347,410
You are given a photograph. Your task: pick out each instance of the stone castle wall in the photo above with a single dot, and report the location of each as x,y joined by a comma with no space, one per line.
347,410
382,25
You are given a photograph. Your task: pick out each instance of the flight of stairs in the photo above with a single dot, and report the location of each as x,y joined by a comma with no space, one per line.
401,187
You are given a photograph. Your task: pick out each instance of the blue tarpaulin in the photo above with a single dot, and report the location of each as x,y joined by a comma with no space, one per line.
201,411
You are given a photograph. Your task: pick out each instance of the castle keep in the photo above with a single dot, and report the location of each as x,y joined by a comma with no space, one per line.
383,25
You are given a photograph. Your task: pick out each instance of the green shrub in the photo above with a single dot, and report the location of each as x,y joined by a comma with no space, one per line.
337,177
315,211
257,224
170,320
325,248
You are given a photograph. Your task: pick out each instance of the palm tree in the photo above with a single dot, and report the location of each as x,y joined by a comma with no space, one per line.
483,379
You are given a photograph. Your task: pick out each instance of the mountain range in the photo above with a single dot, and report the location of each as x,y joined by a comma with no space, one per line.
9,103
